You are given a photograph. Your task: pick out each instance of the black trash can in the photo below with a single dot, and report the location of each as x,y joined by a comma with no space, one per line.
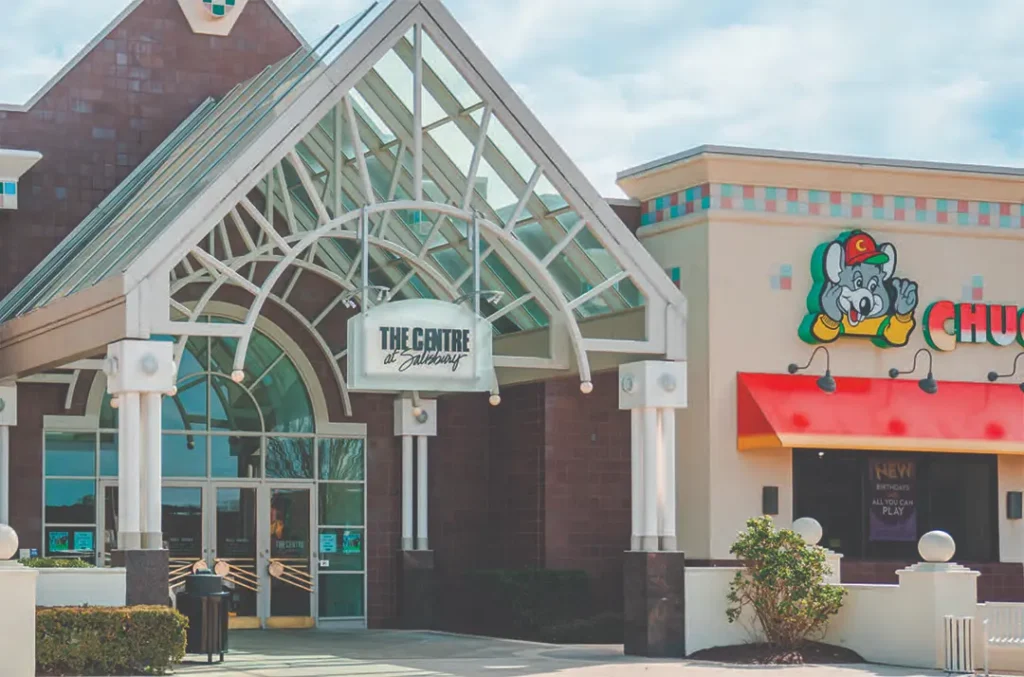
205,604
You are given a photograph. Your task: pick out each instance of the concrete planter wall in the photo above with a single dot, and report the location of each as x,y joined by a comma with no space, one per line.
78,587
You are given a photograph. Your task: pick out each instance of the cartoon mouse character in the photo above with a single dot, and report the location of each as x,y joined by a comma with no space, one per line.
857,295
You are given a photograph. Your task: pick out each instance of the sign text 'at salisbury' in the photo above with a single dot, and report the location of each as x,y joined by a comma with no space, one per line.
409,347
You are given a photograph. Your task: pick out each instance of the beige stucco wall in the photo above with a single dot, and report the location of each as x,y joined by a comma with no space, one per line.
739,323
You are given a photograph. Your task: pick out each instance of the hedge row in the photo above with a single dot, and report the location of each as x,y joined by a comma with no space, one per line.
108,640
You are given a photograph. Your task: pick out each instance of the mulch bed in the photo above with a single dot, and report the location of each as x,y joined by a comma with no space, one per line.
766,654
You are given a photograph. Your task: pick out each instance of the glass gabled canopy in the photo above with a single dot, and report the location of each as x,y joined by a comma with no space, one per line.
393,123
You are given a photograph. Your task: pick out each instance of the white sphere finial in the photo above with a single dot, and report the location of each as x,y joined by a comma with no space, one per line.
8,542
808,529
115,402
586,387
936,547
495,400
238,376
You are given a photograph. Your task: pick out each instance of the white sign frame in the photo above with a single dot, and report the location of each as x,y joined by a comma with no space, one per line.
403,359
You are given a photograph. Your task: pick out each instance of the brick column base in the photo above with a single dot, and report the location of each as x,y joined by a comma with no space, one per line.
655,604
417,590
147,576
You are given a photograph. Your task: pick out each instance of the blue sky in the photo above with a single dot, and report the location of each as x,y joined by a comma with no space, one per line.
621,82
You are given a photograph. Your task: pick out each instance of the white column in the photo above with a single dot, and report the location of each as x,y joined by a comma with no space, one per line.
649,533
129,466
667,418
5,474
408,539
636,453
152,477
422,538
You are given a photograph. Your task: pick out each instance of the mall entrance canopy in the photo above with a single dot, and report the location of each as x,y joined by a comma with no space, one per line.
395,125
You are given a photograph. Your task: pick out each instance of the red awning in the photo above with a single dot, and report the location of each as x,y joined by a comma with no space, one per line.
779,410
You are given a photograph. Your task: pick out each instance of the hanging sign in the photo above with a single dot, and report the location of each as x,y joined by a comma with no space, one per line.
420,344
892,493
946,324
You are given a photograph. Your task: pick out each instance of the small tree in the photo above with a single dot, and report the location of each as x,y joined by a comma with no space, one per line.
783,584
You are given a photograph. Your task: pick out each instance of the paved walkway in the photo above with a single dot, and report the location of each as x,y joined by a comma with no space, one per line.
422,654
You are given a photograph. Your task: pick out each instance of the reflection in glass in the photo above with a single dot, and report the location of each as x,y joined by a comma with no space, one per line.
232,408
183,521
70,454
234,456
110,498
341,504
108,455
290,457
70,501
184,455
341,549
342,459
289,544
236,544
186,410
64,541
341,596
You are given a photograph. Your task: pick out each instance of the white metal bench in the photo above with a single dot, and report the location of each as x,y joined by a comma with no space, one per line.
1003,626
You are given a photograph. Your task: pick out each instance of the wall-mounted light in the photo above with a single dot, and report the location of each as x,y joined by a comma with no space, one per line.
928,384
826,383
993,376
1014,505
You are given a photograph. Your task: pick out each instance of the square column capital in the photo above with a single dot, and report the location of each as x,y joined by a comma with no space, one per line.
655,384
8,405
408,424
140,366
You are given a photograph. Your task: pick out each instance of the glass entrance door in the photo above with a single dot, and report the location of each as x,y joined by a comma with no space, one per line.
234,555
290,557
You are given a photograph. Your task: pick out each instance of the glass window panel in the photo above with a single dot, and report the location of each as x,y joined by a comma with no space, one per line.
549,195
536,311
435,59
261,356
108,455
535,238
70,454
341,504
370,117
232,408
222,354
457,147
183,456
282,396
186,409
342,459
342,549
499,135
71,542
108,415
234,456
290,457
183,521
341,596
490,186
451,261
70,501
630,293
193,358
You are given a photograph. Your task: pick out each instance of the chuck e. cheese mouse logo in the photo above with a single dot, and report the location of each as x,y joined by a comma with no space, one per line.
856,293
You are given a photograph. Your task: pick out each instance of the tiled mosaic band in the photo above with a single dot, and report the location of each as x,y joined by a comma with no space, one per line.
834,204
8,195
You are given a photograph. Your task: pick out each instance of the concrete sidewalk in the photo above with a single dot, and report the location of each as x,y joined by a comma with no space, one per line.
415,654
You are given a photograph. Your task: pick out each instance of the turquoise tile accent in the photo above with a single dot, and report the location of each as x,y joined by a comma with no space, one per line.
878,213
1004,222
899,201
10,188
836,210
792,207
978,281
942,205
963,219
922,216
858,199
705,202
749,205
983,208
818,196
769,193
786,270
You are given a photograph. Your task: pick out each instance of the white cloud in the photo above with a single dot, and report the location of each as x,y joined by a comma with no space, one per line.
622,83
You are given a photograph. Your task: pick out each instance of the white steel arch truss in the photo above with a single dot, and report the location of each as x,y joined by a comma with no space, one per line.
403,168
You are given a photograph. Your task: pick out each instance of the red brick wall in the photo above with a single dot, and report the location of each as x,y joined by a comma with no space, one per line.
587,484
112,109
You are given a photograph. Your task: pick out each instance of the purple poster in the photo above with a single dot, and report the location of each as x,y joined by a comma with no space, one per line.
892,494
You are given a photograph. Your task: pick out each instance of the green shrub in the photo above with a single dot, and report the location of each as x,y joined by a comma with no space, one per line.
783,584
604,628
519,603
56,563
108,640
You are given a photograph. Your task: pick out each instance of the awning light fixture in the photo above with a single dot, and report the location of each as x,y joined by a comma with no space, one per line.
928,384
826,383
995,376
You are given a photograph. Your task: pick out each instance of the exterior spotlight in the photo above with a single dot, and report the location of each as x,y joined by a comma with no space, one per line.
421,415
825,383
995,376
238,376
928,384
494,399
115,402
586,387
